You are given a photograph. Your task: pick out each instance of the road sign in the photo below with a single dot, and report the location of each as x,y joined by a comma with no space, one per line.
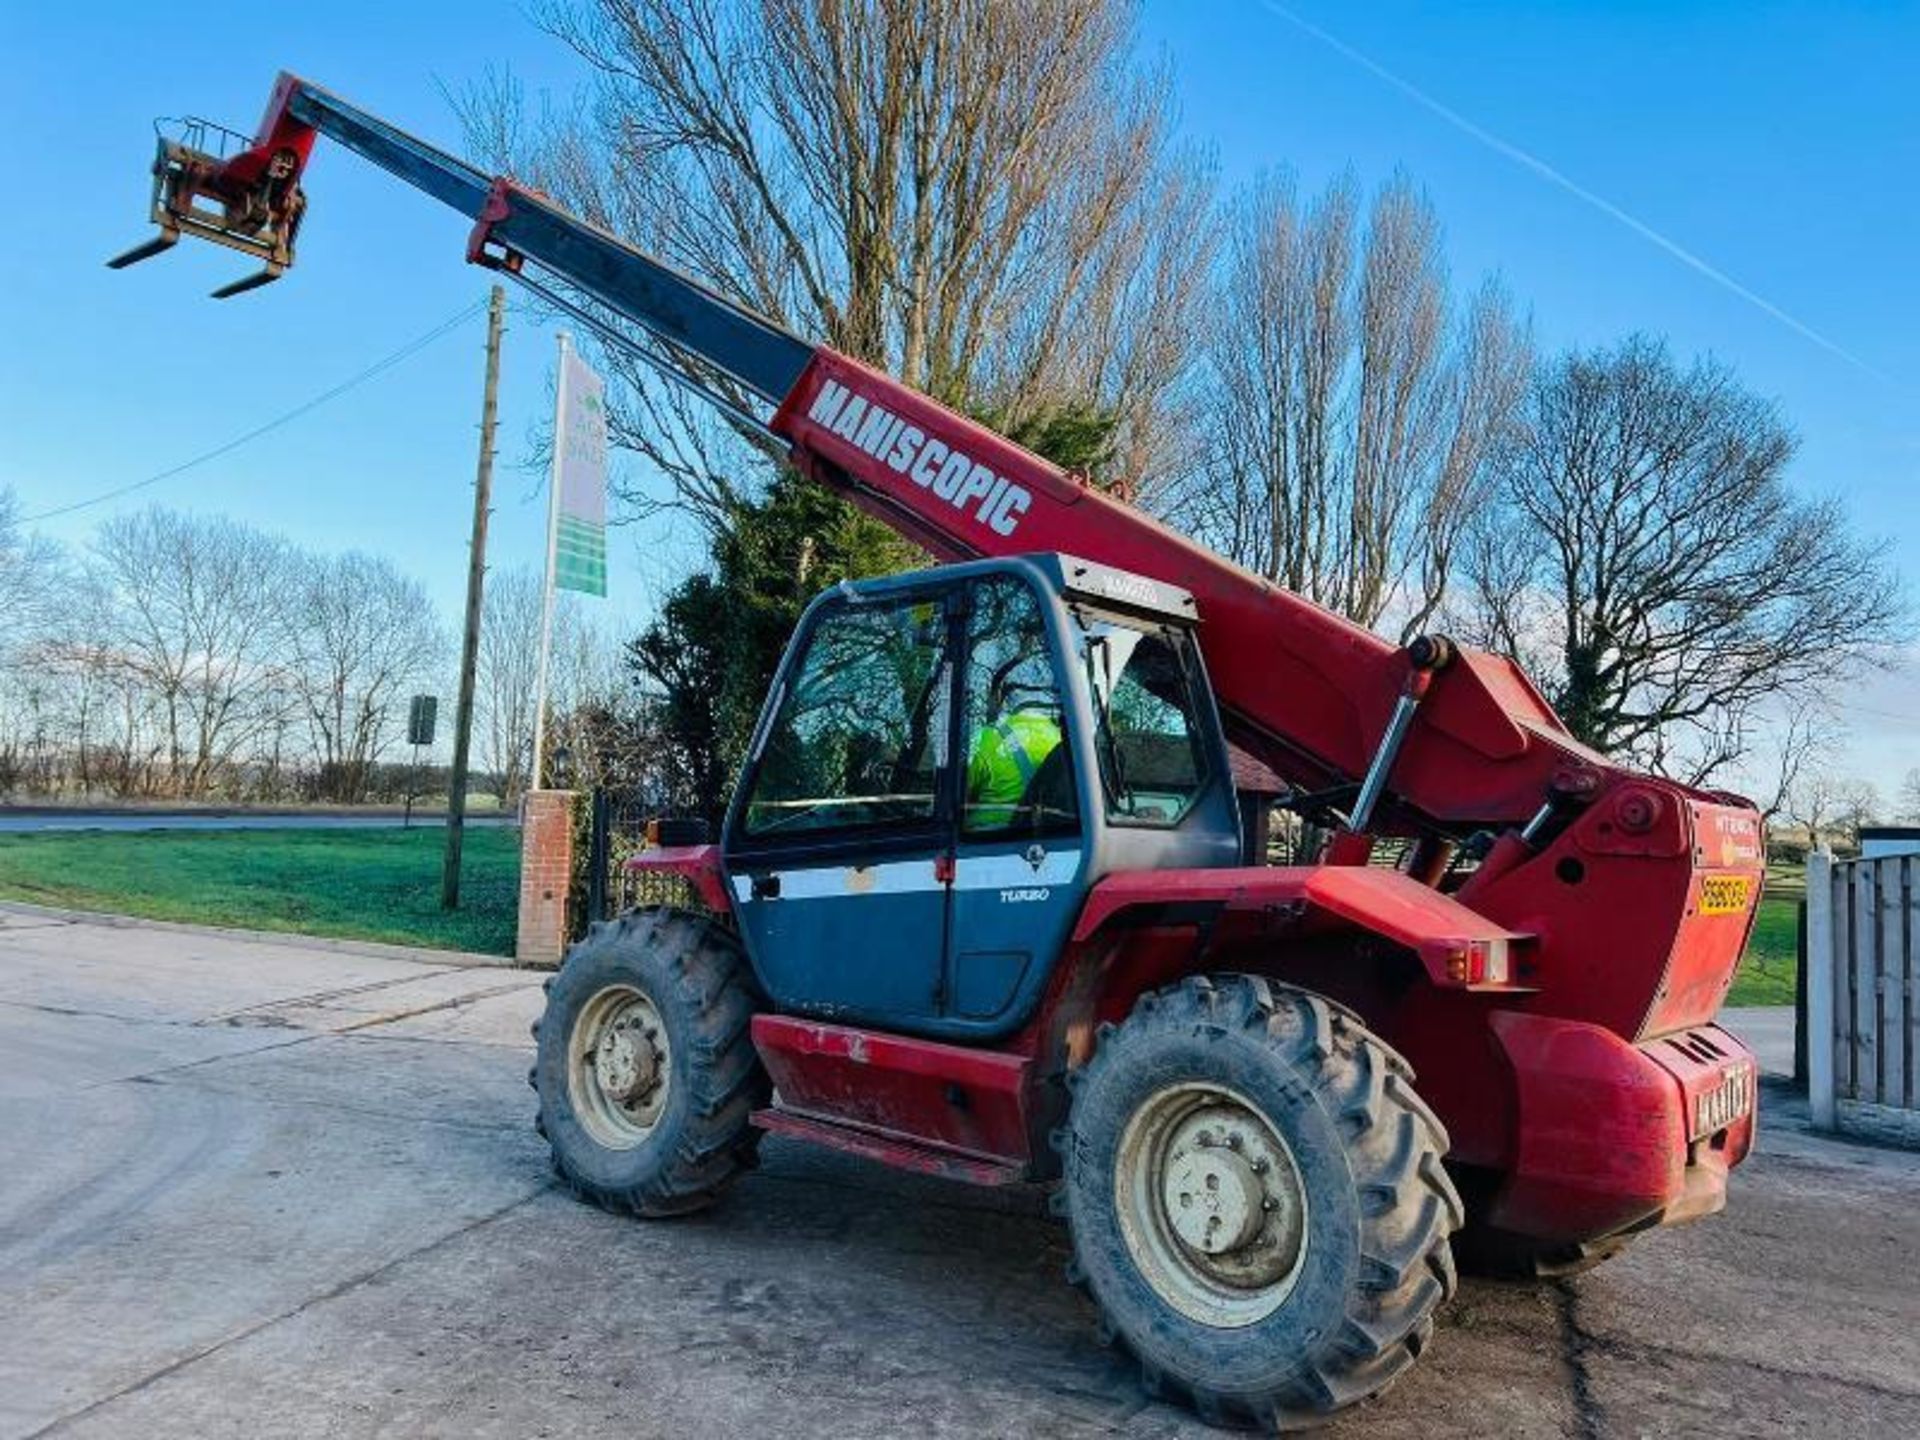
420,717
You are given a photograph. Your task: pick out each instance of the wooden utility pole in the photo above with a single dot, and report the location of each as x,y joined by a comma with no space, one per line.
476,584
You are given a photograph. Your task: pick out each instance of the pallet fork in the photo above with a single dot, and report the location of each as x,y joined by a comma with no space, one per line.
250,201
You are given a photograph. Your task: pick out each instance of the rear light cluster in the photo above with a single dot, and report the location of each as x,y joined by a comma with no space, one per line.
1479,962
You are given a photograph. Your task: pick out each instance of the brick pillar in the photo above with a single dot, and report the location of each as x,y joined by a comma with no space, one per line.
546,872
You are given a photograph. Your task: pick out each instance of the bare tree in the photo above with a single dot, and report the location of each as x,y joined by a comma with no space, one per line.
507,676
1647,540
980,195
1910,797
73,660
1859,807
30,570
585,673
1353,412
199,608
179,655
597,712
1791,750
362,635
1835,808
1813,803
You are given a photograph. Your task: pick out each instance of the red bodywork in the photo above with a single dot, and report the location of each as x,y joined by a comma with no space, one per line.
1590,1125
1558,1004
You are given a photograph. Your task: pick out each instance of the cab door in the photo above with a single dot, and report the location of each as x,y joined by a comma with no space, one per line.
839,845
1020,859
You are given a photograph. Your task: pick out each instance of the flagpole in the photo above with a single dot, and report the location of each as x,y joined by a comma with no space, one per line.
553,542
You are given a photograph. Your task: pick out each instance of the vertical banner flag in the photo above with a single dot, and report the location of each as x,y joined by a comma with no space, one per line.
580,479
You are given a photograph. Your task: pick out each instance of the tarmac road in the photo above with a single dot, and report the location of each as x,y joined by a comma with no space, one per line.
259,1188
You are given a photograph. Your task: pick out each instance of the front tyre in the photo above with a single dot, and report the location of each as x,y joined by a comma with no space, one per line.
645,1069
1257,1201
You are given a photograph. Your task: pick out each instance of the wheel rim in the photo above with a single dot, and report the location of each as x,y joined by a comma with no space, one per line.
619,1067
1211,1204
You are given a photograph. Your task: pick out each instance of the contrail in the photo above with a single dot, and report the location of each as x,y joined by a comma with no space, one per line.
1528,161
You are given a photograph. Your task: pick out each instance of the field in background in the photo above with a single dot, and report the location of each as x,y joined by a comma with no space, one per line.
357,884
1767,972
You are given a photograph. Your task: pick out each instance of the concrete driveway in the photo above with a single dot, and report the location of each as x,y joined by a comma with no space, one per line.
261,1188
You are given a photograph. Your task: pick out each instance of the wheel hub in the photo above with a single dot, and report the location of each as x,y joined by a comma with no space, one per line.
625,1062
618,1068
1213,1200
1211,1204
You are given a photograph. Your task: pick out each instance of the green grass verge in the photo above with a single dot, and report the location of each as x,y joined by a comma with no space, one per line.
1767,969
375,884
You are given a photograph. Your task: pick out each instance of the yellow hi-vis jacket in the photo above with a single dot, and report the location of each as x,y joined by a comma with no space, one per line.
1006,756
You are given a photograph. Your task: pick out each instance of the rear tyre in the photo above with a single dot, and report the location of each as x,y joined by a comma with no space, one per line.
1257,1201
645,1069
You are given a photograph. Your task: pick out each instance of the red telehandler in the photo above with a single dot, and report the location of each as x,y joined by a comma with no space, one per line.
987,902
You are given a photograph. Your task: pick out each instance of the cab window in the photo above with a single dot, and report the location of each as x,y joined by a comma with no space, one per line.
1018,779
1146,703
860,736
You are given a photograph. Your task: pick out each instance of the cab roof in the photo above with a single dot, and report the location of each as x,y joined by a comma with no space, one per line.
1105,586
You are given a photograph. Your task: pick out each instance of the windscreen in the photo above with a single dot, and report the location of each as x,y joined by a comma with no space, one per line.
860,737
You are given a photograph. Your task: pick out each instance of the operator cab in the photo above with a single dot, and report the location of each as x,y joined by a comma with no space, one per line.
946,762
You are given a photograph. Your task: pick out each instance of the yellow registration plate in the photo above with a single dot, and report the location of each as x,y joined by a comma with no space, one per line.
1725,894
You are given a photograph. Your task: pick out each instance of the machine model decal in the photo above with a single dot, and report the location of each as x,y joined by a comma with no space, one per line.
904,448
1117,585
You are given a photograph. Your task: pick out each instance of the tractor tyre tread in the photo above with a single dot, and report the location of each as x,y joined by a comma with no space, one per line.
1406,1204
694,970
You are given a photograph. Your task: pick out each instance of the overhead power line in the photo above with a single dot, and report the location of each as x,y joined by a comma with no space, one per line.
378,367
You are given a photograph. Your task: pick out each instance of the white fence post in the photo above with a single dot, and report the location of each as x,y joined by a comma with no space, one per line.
1820,988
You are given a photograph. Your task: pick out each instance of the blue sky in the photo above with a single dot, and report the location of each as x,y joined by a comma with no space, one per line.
1777,143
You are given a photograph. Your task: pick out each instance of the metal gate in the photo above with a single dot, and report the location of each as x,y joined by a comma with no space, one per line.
617,831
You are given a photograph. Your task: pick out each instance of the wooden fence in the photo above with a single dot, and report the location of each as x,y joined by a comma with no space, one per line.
1863,995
